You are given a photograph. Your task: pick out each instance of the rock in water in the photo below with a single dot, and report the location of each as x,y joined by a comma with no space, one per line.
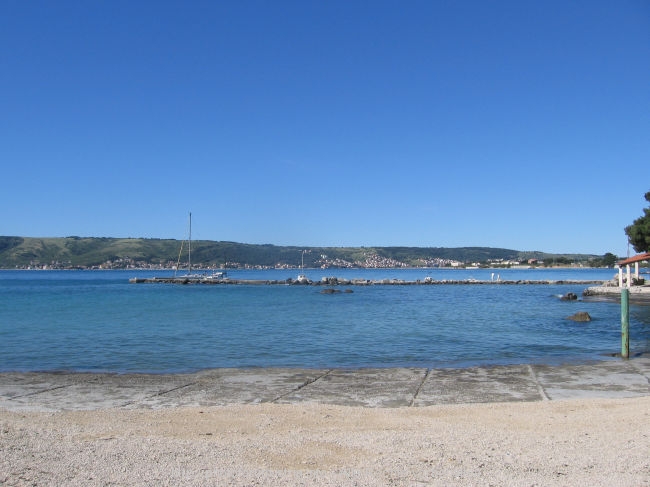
581,316
569,297
330,291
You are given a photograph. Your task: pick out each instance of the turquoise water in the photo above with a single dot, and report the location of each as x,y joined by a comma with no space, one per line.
97,321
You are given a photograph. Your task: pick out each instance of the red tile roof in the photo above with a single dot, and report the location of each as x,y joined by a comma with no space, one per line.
636,258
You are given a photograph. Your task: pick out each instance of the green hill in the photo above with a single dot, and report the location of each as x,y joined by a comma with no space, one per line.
92,252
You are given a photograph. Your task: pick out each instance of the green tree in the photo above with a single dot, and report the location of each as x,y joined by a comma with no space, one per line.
609,259
639,232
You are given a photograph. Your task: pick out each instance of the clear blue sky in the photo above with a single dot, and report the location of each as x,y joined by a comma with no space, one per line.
515,124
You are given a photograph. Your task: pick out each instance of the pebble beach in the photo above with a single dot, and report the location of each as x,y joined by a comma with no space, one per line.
520,425
572,442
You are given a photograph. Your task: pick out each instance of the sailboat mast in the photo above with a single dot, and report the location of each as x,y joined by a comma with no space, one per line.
189,248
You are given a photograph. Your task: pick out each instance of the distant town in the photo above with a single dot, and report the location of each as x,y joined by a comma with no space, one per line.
373,261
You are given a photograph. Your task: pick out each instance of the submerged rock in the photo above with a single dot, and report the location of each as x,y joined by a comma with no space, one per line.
580,316
569,297
330,291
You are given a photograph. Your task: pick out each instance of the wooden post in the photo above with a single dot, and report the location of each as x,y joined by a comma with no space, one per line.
625,323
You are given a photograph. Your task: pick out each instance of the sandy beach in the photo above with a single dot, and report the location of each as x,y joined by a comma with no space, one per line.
568,442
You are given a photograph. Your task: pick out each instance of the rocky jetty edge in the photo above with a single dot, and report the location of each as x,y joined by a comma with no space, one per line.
335,281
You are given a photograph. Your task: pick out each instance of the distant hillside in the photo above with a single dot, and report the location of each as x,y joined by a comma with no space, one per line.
91,252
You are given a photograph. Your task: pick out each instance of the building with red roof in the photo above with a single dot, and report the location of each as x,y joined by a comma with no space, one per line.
627,262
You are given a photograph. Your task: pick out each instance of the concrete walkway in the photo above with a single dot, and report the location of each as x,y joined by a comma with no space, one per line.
396,387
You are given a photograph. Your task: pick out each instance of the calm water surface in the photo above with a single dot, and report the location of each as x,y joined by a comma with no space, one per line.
97,321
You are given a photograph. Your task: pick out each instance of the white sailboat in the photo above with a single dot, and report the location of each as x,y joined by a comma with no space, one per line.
302,278
189,257
216,275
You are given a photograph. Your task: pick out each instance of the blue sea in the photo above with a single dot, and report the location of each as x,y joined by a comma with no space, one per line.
98,321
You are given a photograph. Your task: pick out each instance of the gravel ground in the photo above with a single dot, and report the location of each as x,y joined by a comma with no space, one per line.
573,442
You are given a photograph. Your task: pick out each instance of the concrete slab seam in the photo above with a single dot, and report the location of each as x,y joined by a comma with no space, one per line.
161,393
157,394
41,391
638,370
539,386
303,385
417,391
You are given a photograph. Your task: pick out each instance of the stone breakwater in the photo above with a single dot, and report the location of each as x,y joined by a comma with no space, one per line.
335,281
636,292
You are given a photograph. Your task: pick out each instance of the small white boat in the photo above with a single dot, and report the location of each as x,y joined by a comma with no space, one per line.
302,279
217,275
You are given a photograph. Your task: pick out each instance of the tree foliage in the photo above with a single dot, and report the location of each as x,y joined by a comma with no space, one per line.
639,232
607,260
